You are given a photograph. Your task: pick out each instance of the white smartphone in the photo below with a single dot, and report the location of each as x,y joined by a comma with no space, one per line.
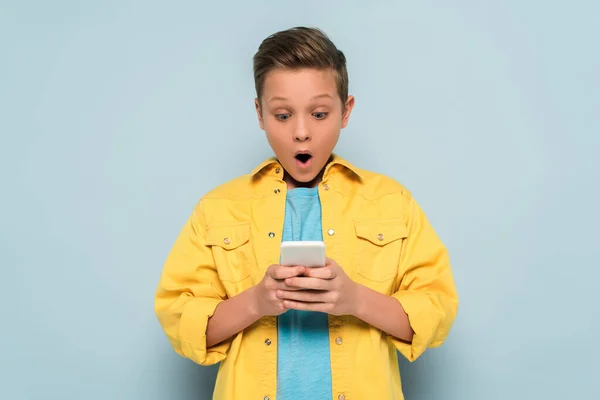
305,253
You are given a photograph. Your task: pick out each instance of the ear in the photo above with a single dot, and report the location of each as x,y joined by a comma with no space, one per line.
259,114
348,106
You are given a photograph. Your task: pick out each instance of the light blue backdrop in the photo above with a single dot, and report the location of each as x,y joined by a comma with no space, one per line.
117,116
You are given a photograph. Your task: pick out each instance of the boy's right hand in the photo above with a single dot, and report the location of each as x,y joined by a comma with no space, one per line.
265,293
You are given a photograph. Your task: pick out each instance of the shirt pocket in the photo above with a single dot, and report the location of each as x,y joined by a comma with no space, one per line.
379,247
231,250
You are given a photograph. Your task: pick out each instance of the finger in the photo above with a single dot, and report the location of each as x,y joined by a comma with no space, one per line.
281,272
321,272
281,285
308,283
304,295
298,305
331,263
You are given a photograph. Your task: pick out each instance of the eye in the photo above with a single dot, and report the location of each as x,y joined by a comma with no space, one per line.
282,117
320,115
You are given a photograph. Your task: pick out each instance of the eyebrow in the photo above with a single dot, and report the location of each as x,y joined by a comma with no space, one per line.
319,96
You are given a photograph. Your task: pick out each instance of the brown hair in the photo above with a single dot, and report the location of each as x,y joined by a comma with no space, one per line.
300,47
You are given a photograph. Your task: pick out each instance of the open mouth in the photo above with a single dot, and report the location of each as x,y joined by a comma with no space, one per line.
303,157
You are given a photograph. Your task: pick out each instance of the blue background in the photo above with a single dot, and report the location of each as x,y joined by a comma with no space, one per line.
117,116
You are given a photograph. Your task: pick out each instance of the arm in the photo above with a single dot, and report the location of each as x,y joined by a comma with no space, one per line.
231,317
383,312
337,294
188,293
191,304
418,315
425,287
239,312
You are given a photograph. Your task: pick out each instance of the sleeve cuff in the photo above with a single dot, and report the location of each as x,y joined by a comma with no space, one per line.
192,331
424,324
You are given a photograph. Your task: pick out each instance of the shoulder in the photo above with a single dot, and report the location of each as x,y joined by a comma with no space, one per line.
377,185
237,189
379,196
240,187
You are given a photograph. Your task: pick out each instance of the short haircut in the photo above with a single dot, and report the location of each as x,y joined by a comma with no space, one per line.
296,48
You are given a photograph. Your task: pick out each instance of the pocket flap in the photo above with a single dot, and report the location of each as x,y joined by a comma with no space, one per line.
380,232
228,236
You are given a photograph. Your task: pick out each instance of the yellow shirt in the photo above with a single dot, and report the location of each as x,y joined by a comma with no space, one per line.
372,227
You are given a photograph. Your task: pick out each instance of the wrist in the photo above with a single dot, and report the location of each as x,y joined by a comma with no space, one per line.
253,303
359,301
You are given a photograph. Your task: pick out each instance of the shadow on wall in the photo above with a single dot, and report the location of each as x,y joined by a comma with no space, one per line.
189,381
201,382
416,377
433,373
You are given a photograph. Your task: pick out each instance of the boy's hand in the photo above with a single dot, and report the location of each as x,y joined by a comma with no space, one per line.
265,297
330,291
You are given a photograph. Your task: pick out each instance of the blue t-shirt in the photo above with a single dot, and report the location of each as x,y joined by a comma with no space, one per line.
303,360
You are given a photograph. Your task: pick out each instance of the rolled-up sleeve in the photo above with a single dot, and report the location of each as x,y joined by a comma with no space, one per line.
188,293
426,287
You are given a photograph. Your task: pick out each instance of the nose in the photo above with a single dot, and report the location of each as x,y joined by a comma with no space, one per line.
301,133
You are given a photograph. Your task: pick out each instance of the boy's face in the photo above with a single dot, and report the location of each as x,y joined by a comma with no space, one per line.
302,116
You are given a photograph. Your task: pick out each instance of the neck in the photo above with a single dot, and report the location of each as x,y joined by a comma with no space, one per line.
292,183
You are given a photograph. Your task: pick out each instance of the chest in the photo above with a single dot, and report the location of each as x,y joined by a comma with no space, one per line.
365,237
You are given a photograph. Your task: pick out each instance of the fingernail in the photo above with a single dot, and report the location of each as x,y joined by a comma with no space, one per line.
279,293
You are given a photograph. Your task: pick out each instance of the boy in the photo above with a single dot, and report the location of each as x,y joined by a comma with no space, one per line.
295,332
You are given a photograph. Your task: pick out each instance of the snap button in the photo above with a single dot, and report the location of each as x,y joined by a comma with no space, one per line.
227,241
331,232
277,170
325,187
268,342
380,236
266,398
276,191
338,340
271,234
342,397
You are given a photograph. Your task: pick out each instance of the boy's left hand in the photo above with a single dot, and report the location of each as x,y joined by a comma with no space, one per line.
330,290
